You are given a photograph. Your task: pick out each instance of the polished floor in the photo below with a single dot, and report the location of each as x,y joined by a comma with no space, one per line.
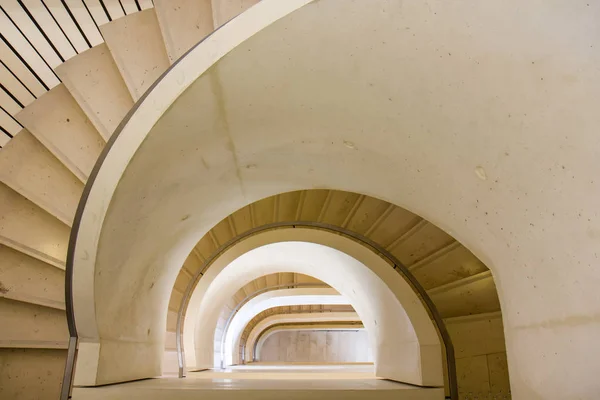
266,381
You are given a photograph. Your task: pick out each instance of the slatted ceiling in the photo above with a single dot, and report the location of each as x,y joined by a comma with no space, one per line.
38,35
8,125
98,11
4,138
114,8
18,68
23,49
18,15
145,4
82,21
13,86
9,103
64,23
45,21
129,6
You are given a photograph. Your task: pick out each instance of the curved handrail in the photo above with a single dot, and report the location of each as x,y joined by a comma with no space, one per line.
69,373
370,244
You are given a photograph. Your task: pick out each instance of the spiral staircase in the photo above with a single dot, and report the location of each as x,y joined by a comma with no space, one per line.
52,142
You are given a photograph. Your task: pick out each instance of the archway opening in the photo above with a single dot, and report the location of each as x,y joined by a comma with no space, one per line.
405,342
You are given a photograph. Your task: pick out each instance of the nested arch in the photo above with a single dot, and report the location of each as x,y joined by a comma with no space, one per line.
395,119
259,333
391,311
233,330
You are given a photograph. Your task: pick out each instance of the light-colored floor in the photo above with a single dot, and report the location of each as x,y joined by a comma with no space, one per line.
266,381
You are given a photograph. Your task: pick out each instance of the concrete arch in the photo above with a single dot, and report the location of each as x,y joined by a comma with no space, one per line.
393,314
311,327
388,102
264,301
262,330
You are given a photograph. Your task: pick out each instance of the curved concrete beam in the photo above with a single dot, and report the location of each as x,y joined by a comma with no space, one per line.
264,301
480,119
280,319
405,342
267,333
92,210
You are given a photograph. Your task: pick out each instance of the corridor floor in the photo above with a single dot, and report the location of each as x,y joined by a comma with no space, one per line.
266,381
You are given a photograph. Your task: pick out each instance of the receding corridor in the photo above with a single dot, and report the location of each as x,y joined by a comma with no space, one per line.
299,199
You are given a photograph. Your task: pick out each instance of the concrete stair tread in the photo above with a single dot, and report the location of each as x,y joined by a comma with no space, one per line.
183,24
58,122
94,81
43,179
138,49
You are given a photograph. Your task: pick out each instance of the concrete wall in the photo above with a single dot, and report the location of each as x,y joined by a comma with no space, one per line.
481,362
316,346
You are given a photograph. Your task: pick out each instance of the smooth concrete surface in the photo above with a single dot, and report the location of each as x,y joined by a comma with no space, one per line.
137,47
183,23
29,229
224,11
58,122
264,325
27,279
266,382
31,374
314,344
94,81
398,324
498,97
44,180
262,302
481,365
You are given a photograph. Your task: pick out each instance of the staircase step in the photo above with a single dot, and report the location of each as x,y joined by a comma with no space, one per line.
473,295
58,122
26,279
96,84
31,230
32,326
454,262
31,374
183,24
30,169
137,47
423,241
224,10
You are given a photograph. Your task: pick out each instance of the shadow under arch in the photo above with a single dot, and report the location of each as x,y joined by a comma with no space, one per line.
365,242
